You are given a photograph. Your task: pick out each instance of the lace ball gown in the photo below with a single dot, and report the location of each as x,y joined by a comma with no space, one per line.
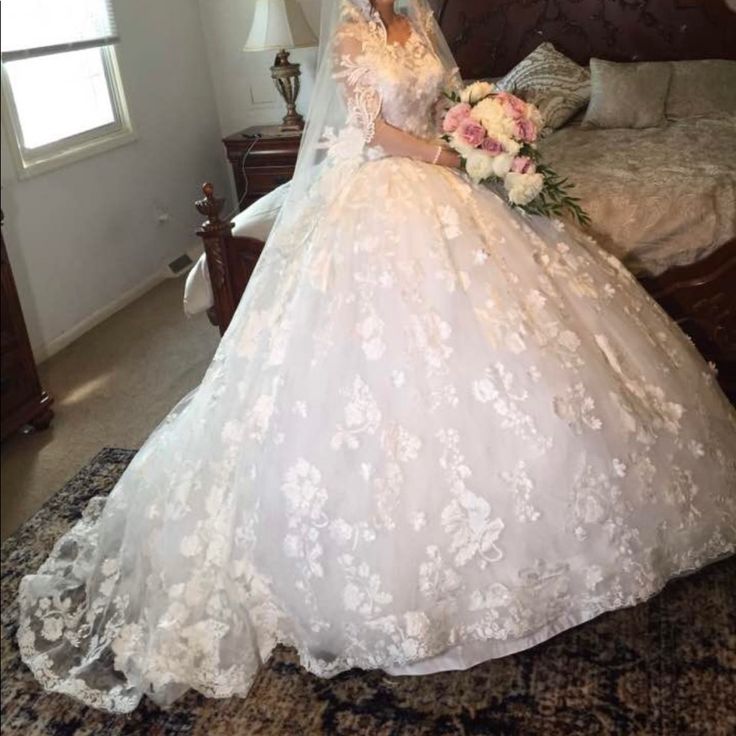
437,431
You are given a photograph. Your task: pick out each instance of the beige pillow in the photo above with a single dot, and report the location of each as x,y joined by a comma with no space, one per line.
555,84
627,95
705,88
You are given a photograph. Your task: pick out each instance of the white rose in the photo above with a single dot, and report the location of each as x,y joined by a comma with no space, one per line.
476,92
491,115
510,145
479,165
523,188
502,164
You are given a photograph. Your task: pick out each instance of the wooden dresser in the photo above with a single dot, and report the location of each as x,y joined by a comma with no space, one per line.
262,158
24,402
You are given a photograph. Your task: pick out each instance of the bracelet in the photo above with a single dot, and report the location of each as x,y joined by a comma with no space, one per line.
437,155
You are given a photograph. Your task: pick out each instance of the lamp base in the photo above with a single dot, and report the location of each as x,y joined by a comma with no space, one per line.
285,77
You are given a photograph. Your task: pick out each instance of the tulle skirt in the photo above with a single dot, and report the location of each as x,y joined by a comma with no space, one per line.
437,431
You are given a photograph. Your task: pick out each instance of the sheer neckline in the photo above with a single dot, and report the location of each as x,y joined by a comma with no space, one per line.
396,44
409,39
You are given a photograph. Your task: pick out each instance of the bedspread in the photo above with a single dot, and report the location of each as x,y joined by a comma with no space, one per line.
657,197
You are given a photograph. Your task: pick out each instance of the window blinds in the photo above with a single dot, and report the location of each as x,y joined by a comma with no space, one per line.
33,28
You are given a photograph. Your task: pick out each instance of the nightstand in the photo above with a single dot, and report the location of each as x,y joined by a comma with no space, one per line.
262,157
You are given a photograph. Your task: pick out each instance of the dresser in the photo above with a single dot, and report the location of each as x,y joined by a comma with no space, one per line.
24,402
262,158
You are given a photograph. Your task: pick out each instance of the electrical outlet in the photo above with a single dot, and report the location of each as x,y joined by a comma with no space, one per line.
162,216
262,90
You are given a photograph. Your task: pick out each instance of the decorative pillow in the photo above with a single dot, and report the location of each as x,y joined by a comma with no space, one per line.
555,84
627,95
702,88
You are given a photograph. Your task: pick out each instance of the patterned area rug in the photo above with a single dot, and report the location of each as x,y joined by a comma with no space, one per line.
667,667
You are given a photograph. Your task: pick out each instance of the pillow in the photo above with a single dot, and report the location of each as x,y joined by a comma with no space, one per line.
702,88
198,295
627,95
555,84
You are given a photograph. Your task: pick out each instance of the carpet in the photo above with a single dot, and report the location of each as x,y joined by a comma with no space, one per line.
666,667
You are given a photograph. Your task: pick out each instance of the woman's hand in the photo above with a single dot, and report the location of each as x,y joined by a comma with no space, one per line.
395,142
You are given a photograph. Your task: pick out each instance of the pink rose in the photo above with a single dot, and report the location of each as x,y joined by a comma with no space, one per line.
523,165
526,130
454,116
470,132
492,146
512,105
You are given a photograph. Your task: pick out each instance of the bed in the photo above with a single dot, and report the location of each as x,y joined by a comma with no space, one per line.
231,252
662,203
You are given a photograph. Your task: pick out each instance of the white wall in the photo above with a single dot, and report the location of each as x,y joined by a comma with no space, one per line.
243,86
84,239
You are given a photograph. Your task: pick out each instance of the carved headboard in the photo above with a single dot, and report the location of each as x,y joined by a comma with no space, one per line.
488,37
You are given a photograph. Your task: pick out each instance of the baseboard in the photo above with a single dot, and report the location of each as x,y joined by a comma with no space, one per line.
44,352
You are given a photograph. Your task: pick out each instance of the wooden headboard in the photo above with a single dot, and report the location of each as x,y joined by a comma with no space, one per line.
488,37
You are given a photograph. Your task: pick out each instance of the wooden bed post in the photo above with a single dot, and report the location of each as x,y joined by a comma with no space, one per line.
214,232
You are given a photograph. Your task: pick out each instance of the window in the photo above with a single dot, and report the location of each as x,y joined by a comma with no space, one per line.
62,94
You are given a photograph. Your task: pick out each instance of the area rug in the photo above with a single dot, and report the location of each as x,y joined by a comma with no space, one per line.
667,667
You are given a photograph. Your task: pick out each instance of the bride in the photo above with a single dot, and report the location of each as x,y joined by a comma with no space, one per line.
438,431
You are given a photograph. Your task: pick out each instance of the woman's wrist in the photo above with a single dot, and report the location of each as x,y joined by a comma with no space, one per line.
449,158
441,155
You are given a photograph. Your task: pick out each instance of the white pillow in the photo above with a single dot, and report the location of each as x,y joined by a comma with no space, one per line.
198,289
257,220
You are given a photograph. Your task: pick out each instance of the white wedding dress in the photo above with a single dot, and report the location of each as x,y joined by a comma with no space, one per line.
438,431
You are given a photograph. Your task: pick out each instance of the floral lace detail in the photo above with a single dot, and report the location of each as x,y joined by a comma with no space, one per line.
361,416
523,487
362,592
497,388
466,519
577,408
438,581
372,71
436,431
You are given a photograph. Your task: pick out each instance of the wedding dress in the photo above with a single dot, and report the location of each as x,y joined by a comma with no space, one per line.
438,431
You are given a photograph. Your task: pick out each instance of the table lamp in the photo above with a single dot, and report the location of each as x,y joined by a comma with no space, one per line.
280,24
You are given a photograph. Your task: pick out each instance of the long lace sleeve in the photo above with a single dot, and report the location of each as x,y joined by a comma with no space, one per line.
355,76
353,70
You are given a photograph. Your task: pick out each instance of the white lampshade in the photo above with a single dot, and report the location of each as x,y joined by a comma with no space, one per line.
279,24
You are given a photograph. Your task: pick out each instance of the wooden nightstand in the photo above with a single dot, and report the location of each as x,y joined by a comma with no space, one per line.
262,158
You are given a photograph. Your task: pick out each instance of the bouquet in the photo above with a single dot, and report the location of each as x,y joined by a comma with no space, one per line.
495,134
